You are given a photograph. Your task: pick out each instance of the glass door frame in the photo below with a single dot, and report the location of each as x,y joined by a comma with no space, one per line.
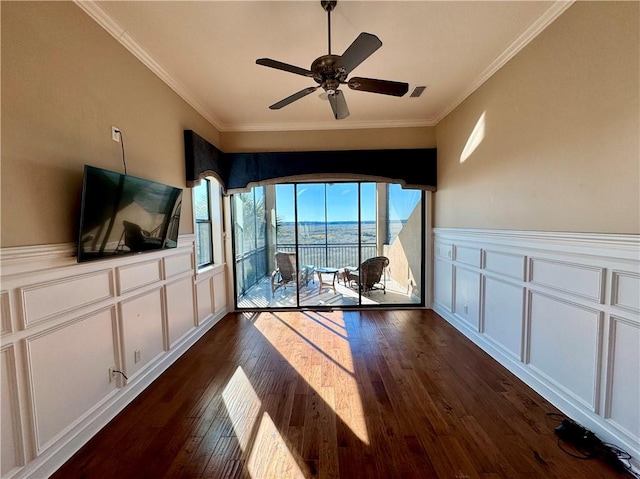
271,244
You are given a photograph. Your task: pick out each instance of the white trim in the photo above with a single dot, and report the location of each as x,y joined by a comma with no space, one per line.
512,50
25,259
428,253
342,125
102,18
615,286
54,457
33,268
54,313
626,246
33,404
5,313
607,431
594,260
9,351
600,273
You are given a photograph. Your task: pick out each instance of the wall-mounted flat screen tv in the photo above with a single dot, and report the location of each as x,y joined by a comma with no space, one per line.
123,214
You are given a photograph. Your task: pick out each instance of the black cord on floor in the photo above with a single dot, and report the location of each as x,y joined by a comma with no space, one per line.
585,455
588,446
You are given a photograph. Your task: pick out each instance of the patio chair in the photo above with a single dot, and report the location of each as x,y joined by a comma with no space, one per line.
369,276
285,273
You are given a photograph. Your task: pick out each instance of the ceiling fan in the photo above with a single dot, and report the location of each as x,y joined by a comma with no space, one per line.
331,71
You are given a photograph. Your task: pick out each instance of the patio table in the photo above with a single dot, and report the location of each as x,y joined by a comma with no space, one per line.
327,271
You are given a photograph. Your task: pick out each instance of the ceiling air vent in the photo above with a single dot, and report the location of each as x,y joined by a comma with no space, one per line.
417,91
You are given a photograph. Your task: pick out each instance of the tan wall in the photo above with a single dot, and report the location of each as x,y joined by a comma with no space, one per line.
65,82
560,151
561,143
364,139
405,254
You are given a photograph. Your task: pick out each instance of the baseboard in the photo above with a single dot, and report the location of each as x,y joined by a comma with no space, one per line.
520,295
50,461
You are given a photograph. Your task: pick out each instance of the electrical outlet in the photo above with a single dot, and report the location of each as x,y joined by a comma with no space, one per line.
466,309
112,374
115,134
137,355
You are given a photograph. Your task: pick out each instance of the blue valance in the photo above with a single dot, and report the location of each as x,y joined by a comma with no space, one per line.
413,168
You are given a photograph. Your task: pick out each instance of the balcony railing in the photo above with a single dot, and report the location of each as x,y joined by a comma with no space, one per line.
250,267
330,255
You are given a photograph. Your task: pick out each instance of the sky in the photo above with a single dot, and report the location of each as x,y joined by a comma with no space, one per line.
341,200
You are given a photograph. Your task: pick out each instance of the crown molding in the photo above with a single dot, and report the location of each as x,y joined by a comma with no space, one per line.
102,18
342,125
548,17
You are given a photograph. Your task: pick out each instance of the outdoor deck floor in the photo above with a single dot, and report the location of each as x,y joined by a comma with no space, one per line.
313,295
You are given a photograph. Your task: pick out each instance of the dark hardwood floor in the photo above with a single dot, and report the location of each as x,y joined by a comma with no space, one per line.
348,394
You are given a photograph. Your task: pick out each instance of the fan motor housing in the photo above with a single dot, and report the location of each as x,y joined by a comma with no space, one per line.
323,69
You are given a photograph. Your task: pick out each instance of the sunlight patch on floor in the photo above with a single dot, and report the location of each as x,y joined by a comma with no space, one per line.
270,456
268,453
243,406
315,345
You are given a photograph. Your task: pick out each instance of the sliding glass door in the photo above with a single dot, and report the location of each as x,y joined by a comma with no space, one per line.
249,238
327,239
326,245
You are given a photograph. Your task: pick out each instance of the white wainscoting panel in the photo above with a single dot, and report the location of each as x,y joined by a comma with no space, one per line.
470,256
219,291
503,320
467,296
443,284
64,324
564,344
5,313
69,372
10,418
180,317
580,280
177,264
443,250
134,276
141,326
624,387
506,264
204,298
559,310
626,291
46,300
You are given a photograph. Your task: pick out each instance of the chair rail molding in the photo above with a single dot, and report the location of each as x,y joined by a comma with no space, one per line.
519,295
136,313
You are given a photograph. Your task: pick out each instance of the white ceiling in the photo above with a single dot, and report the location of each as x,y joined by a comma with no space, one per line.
206,51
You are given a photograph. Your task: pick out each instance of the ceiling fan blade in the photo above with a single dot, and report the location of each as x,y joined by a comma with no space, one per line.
358,51
268,62
294,97
339,105
385,87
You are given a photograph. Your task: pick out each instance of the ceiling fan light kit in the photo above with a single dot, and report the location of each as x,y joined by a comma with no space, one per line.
331,71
